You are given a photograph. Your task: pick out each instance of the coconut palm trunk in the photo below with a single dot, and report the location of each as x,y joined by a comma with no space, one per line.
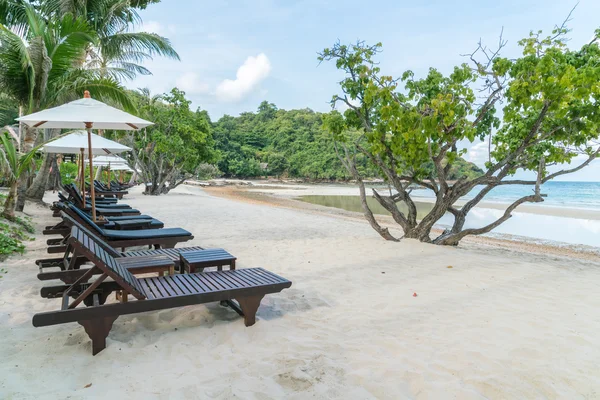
26,146
9,203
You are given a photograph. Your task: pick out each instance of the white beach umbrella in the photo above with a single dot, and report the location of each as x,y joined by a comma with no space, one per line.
122,167
113,163
106,160
79,113
85,113
77,141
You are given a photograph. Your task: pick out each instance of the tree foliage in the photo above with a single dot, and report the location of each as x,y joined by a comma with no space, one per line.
290,143
170,151
415,129
120,49
53,50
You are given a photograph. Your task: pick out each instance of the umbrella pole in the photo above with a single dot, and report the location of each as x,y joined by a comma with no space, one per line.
82,173
88,126
108,177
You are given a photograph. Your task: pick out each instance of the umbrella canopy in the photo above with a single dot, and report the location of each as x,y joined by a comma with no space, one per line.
74,142
105,160
121,167
85,113
76,114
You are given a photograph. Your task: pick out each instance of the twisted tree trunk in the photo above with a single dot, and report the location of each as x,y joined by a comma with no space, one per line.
55,180
38,187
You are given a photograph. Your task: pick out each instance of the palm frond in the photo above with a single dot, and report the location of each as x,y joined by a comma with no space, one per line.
130,56
12,13
72,36
132,68
140,42
10,156
103,88
35,22
26,161
16,68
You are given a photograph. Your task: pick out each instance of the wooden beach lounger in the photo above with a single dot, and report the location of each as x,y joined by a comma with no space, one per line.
247,286
100,209
76,198
159,238
118,222
73,192
102,190
69,266
69,189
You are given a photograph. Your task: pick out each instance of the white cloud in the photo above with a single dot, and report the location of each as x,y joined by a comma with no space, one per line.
190,83
478,154
248,76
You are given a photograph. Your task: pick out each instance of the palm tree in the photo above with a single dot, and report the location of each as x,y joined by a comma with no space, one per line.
120,50
40,67
13,165
118,53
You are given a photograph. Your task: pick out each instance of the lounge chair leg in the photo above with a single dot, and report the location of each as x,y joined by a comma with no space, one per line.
249,307
97,330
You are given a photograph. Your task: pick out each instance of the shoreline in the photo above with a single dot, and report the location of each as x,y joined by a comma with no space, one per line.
291,189
254,195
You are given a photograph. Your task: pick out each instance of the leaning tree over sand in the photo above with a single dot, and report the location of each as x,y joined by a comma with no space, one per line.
534,112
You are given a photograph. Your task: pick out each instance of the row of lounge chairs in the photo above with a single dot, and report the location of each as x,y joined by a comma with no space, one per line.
103,250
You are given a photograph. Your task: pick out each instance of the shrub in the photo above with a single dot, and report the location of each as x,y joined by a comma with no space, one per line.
208,171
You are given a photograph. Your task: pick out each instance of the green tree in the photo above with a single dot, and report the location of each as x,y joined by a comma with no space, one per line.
13,164
119,50
292,143
549,116
170,151
39,61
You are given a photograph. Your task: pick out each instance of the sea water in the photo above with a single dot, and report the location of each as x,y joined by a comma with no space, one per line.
565,194
522,226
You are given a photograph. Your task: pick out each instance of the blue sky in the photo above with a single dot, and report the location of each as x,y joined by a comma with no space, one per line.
236,53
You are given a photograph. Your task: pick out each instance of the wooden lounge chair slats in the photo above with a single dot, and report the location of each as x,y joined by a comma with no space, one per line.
137,262
116,271
171,253
247,286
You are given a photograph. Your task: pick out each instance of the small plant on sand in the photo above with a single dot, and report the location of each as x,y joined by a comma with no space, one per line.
25,222
12,236
535,114
9,243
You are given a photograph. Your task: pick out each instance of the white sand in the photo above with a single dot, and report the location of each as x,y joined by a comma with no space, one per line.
498,325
